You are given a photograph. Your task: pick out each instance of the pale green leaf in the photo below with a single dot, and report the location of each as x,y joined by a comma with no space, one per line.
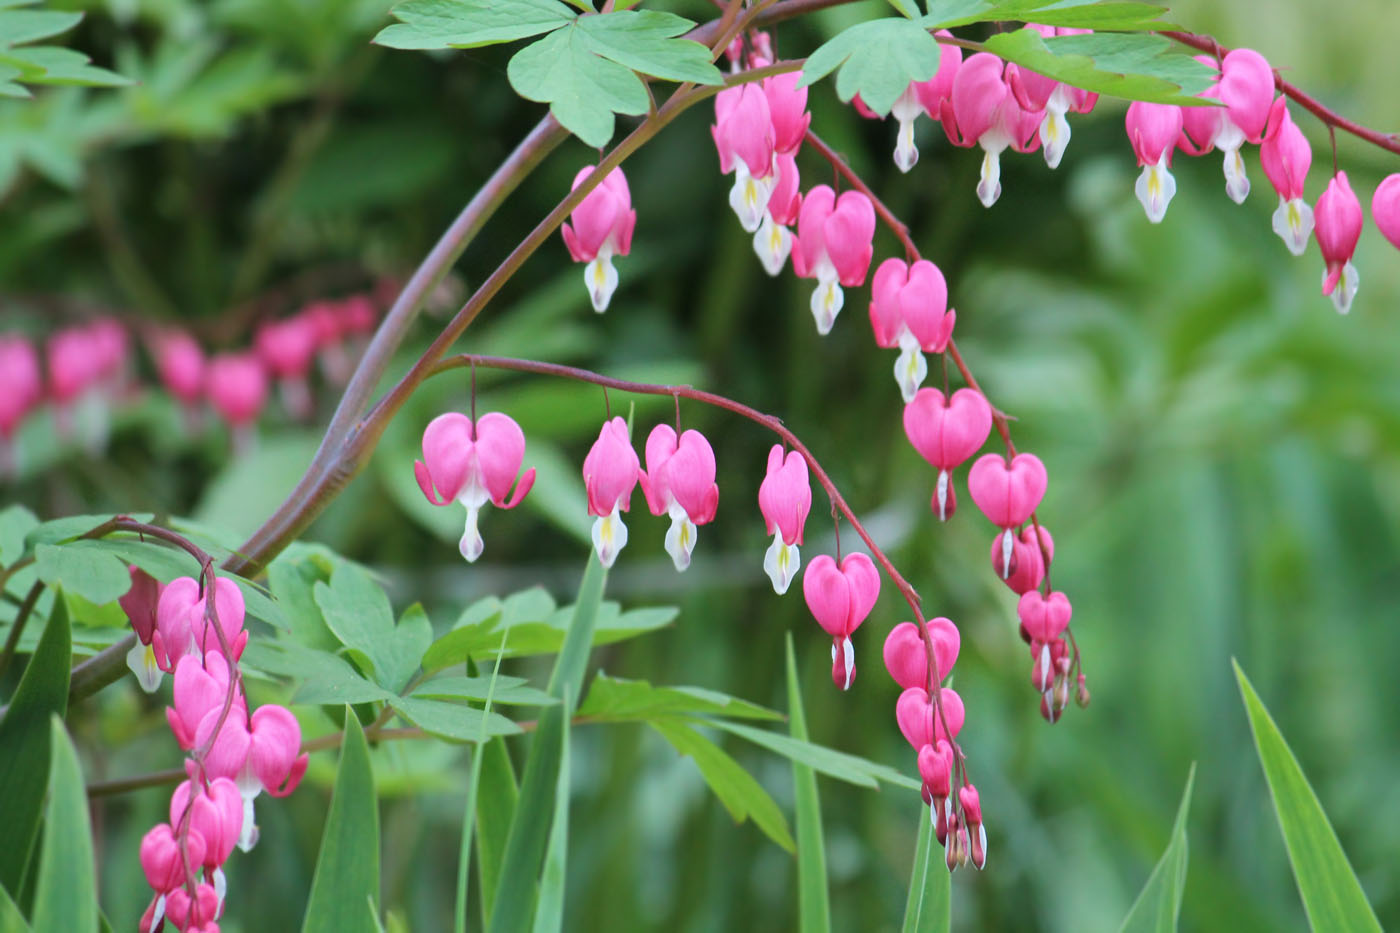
15,522
357,610
94,575
1122,15
1135,66
1332,895
647,41
465,24
20,26
455,721
613,699
1158,906
878,60
583,89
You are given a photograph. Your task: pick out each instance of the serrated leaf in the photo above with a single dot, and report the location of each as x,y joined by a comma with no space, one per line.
25,744
97,576
647,41
1134,66
466,24
878,60
454,721
347,870
1332,895
813,901
583,89
740,793
849,768
65,895
927,909
510,690
1158,905
613,699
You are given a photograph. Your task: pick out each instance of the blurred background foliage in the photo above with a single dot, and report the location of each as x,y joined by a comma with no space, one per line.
1224,453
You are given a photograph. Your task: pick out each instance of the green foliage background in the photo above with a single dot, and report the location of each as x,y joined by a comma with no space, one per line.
1224,454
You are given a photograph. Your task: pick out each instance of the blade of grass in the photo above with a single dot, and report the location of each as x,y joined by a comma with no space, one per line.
928,909
1158,905
813,906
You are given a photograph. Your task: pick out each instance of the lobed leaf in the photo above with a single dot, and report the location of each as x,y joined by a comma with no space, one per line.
648,41
583,89
878,60
96,576
452,720
1332,895
466,24
357,610
1132,66
1122,15
1158,905
15,523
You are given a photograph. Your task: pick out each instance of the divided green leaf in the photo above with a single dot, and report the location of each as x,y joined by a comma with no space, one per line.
357,610
878,59
455,721
15,522
21,62
1121,15
466,24
1131,66
93,575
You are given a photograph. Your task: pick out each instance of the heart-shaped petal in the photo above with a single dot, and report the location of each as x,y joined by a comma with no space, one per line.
1007,493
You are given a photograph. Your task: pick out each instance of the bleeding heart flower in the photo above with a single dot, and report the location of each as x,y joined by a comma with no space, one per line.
180,365
983,112
1045,617
977,833
906,657
1036,93
473,463
834,244
287,349
602,226
610,473
840,598
680,481
773,241
1153,130
909,309
161,860
946,432
1338,228
784,498
139,603
1385,208
787,105
21,387
1027,559
1007,494
918,719
744,137
216,813
193,917
1286,158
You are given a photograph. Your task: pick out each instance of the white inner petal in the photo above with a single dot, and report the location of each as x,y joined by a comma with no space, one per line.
609,536
781,562
600,278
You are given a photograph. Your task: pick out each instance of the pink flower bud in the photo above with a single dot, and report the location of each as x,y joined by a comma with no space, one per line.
906,657
287,347
357,315
180,363
1286,157
174,636
1045,617
237,387
1153,130
919,721
1385,208
473,464
610,473
201,687
602,228
974,106
976,832
936,767
161,860
140,603
196,916
74,361
743,129
230,609
1338,218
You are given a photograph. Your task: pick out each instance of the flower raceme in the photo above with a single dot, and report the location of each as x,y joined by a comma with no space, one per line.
473,463
679,481
909,309
1153,130
1286,157
601,228
1338,229
610,474
834,246
1044,619
840,597
945,432
784,498
1007,493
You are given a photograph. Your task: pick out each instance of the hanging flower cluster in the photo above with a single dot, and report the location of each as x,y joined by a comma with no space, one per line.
232,756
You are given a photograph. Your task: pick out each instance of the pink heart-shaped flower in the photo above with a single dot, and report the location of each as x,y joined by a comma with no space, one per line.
945,431
841,598
1044,617
914,712
906,658
1007,493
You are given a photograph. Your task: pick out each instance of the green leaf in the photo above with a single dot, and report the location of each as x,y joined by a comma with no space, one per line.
612,699
292,584
1332,895
583,89
357,610
510,690
465,24
25,744
11,920
495,812
1131,66
1120,15
525,846
1158,905
740,793
549,909
65,895
94,575
906,8
452,720
20,26
15,522
928,908
646,41
813,902
347,870
878,59
70,527
843,767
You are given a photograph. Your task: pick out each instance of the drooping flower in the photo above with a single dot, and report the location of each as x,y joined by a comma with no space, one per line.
744,137
923,97
200,686
237,387
1338,229
602,228
918,718
945,432
840,597
610,473
833,246
139,603
977,833
287,349
1385,208
1043,620
1153,130
1036,93
473,463
182,627
787,106
1007,493
983,112
909,309
181,366
21,387
784,498
1286,158
679,481
773,241
1246,88
906,655
1027,559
